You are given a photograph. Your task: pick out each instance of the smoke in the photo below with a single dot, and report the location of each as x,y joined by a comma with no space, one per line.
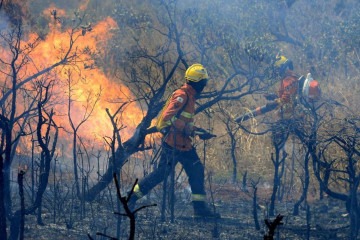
16,10
4,28
4,21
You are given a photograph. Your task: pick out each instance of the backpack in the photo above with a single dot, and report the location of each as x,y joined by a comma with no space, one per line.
311,89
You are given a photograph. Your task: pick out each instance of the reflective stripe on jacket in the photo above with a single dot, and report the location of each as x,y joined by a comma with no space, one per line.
176,135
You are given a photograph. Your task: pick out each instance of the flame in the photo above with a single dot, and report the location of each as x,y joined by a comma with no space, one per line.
86,79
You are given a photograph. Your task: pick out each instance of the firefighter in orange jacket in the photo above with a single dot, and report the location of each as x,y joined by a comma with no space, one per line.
176,123
289,85
288,97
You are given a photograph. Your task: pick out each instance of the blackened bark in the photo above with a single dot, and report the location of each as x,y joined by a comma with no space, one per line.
22,203
233,157
123,152
3,234
256,219
277,177
15,225
272,225
308,221
4,185
305,185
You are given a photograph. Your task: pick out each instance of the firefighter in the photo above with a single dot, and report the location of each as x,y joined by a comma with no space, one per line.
293,92
288,98
289,85
176,123
295,96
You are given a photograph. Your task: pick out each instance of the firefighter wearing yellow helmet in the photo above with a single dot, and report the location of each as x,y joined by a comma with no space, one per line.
176,123
289,81
292,93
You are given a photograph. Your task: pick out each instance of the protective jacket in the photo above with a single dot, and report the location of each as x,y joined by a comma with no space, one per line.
288,92
177,117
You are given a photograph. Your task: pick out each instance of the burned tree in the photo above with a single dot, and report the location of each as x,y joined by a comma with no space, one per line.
19,104
272,226
278,162
233,133
47,143
342,168
91,99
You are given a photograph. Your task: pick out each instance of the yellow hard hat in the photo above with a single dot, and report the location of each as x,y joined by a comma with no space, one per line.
282,63
196,73
280,60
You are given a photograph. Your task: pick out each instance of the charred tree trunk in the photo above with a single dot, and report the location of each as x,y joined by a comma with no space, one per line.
3,234
308,221
172,189
244,186
39,209
125,150
256,219
15,226
282,186
305,185
352,202
233,157
76,174
272,225
349,144
5,200
6,172
164,194
277,162
22,202
255,205
233,143
47,155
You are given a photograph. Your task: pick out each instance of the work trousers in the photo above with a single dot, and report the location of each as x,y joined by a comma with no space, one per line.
190,161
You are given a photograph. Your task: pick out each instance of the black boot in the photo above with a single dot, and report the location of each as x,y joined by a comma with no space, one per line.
201,210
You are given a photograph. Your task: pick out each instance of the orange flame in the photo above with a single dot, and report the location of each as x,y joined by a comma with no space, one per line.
88,79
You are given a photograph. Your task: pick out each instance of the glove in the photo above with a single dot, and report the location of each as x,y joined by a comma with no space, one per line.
203,134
